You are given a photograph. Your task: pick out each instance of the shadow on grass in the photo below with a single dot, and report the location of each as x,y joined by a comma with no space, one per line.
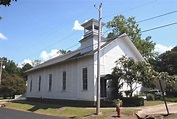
37,105
114,116
69,109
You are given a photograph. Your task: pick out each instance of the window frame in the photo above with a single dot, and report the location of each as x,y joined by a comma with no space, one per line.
39,83
50,82
64,81
31,85
84,79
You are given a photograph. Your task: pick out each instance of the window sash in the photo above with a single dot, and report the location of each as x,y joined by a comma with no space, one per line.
39,84
84,78
31,83
64,81
50,82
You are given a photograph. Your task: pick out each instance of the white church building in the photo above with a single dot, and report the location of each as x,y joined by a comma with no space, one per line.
73,76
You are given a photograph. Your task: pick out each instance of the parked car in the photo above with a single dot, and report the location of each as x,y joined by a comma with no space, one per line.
155,92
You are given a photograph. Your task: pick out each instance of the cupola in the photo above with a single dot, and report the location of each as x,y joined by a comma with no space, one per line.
89,42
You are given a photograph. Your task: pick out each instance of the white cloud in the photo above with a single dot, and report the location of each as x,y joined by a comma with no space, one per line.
25,61
3,37
161,48
77,26
53,53
44,55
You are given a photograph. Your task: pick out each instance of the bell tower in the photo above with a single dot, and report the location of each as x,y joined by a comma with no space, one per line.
90,40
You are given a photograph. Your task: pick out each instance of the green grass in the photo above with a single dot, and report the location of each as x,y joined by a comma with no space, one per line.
65,111
152,103
129,112
50,109
171,99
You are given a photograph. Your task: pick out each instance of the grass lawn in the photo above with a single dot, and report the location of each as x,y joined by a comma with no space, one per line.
73,112
65,111
152,103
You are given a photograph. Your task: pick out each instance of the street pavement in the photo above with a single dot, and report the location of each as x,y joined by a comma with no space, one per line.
158,109
14,114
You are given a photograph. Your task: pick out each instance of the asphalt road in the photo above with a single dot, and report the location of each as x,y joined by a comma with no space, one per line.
14,114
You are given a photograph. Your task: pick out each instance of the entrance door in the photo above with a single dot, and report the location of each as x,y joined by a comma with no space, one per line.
103,87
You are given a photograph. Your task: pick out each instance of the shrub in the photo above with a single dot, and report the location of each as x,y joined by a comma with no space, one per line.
150,97
171,94
132,101
171,99
136,96
158,97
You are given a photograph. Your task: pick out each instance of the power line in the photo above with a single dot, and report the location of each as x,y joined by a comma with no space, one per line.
157,16
53,30
50,45
122,11
132,8
154,17
64,24
137,22
108,30
141,32
80,48
159,27
72,46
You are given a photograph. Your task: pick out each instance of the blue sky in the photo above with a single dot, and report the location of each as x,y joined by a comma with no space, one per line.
37,29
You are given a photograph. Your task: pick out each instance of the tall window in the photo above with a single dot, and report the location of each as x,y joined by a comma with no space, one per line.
39,83
64,81
84,78
50,82
31,83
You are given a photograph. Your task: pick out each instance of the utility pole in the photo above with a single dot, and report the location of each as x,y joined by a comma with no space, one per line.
98,60
1,66
164,97
0,69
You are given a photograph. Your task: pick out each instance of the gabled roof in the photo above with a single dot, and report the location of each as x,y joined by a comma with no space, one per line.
132,47
76,54
55,60
59,59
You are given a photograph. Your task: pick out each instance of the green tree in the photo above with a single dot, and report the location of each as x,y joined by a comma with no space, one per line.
169,81
120,25
167,62
6,2
64,51
116,83
133,73
36,62
25,67
11,86
12,81
10,69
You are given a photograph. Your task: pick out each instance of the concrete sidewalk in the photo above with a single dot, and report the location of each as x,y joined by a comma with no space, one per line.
157,109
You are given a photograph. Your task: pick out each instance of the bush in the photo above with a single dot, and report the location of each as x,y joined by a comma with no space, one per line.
132,101
158,97
171,99
136,96
150,97
171,94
